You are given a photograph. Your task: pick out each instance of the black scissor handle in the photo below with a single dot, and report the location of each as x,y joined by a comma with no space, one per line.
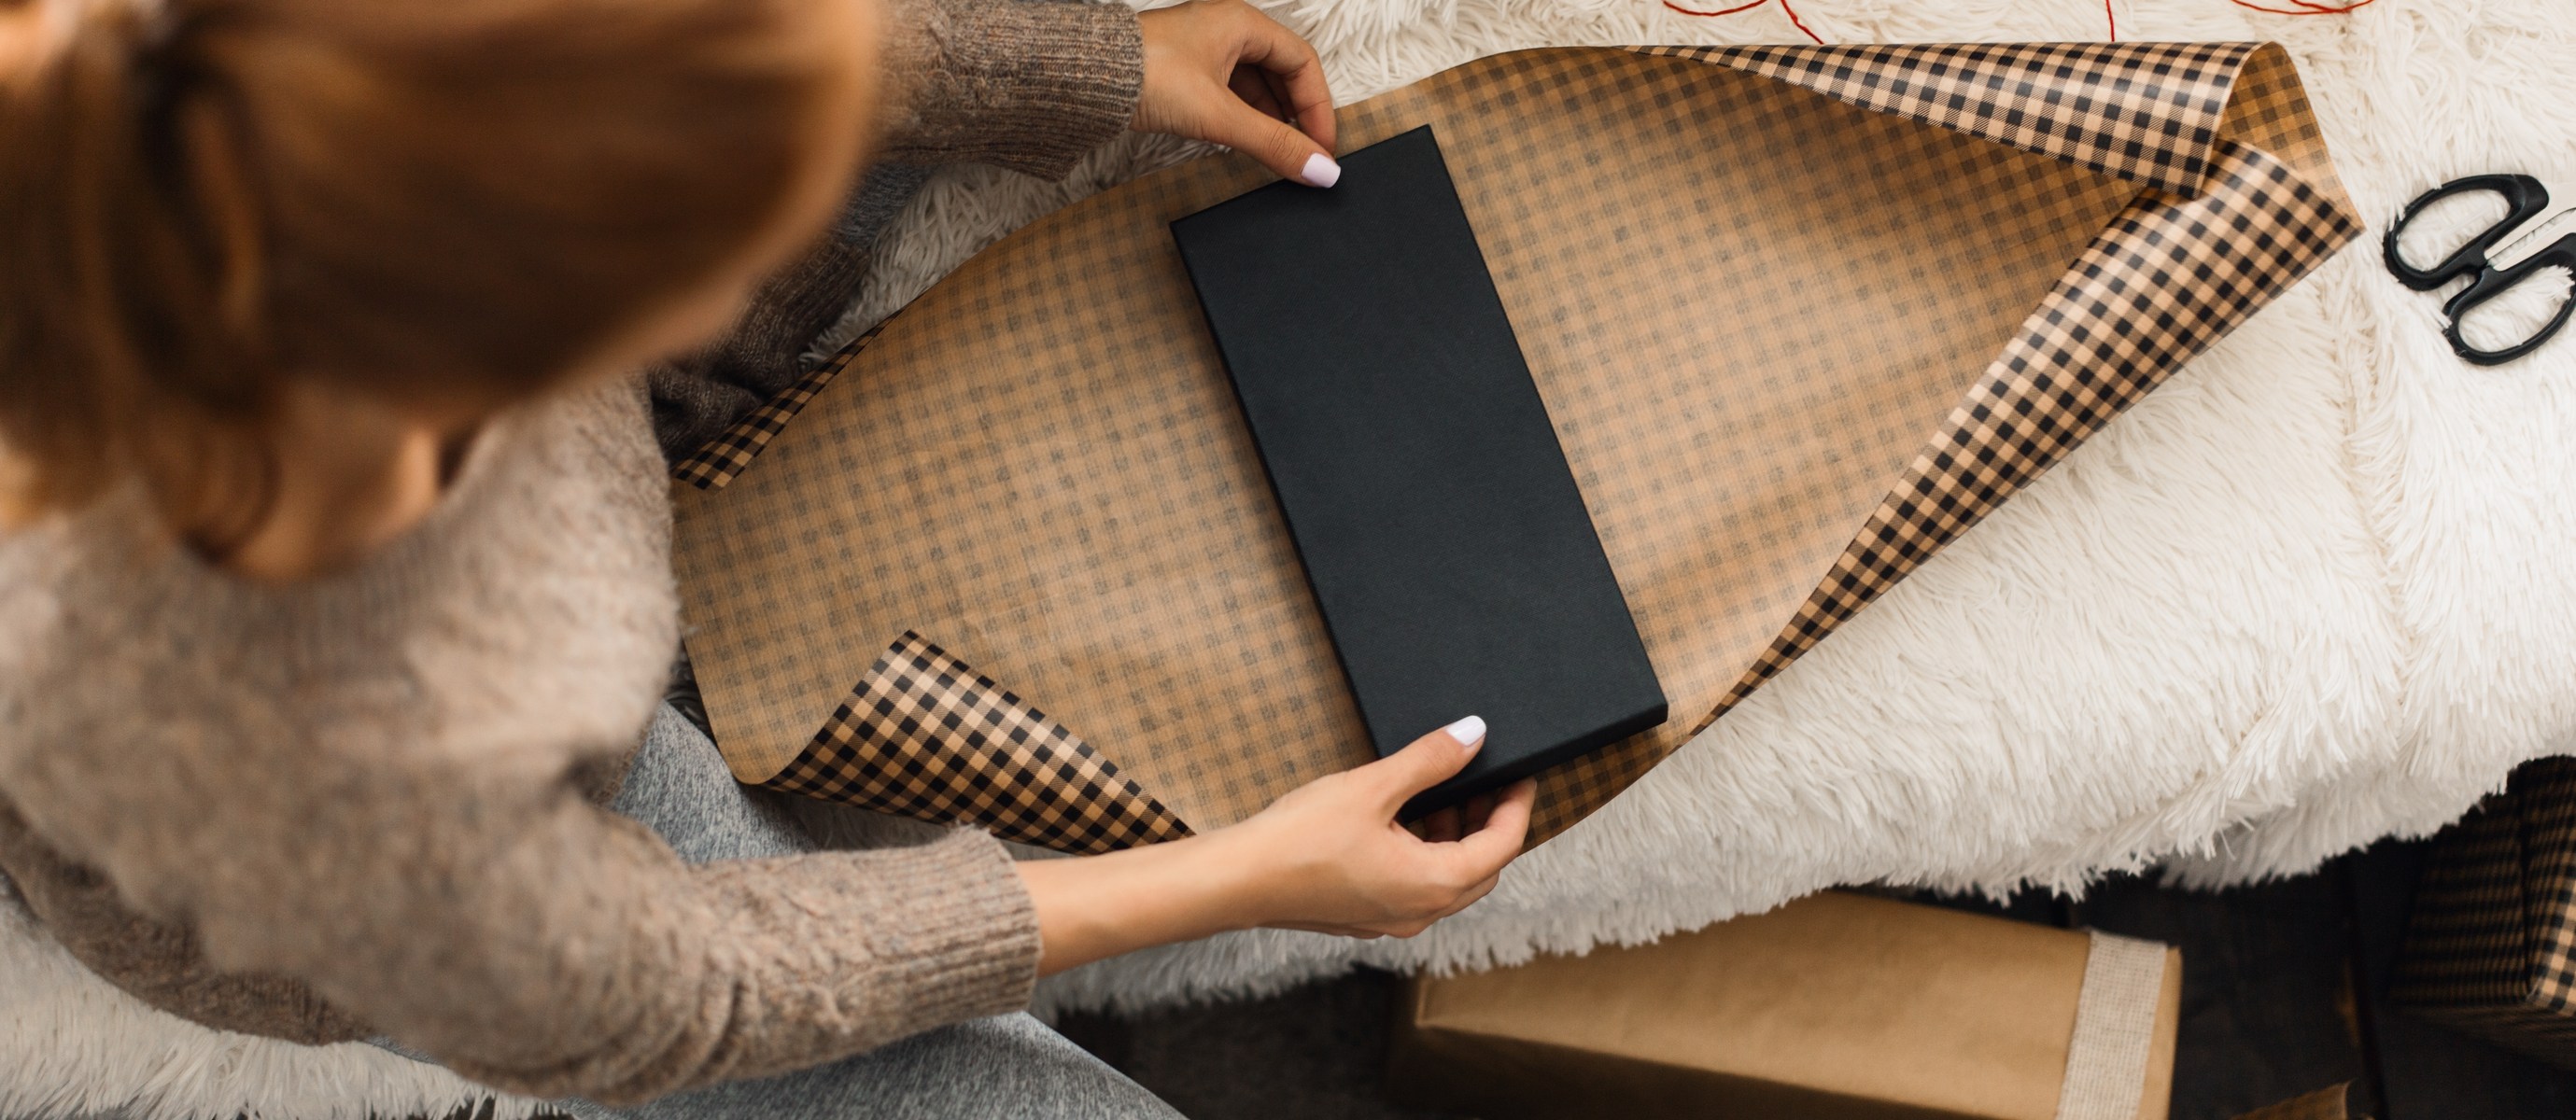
2522,193
2494,283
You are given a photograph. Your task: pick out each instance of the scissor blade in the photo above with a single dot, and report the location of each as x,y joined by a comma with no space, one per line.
2543,232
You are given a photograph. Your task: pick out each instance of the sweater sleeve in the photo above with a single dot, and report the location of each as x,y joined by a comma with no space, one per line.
1028,85
501,923
374,784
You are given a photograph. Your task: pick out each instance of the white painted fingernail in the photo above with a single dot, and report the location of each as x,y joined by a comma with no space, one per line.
1469,731
1320,171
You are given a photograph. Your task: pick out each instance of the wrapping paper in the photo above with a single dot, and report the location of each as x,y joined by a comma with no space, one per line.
1801,315
2491,943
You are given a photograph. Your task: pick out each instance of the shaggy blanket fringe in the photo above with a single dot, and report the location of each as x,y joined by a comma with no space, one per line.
2314,591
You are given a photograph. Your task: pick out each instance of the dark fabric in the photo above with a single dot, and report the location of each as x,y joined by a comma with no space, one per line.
697,397
1027,85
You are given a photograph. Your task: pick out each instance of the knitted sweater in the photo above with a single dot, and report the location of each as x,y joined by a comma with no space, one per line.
370,803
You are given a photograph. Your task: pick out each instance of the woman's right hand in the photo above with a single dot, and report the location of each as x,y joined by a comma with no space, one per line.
1328,857
1334,860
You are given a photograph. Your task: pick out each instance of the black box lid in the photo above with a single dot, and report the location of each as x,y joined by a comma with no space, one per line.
1447,544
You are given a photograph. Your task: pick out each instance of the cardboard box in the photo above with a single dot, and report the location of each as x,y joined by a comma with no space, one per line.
1838,1005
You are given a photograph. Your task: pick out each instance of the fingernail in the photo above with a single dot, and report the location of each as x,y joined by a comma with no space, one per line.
1320,171
1470,732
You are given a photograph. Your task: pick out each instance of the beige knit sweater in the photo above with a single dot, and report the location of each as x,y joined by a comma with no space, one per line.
366,804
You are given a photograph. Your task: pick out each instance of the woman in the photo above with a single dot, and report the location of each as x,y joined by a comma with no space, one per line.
336,598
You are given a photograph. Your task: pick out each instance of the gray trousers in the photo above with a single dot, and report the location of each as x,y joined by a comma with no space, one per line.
1009,1066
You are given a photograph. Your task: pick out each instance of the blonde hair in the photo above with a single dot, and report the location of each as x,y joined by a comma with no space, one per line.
202,201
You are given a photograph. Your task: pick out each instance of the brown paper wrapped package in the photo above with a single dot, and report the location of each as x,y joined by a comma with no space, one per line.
1834,1007
1801,315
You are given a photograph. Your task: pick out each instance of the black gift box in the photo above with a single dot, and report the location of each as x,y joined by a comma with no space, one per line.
1444,536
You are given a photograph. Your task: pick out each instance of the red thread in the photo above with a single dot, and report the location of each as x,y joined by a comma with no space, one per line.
2112,19
1784,6
2308,8
1801,24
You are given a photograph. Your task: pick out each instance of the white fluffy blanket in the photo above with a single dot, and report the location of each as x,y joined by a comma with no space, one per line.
2318,589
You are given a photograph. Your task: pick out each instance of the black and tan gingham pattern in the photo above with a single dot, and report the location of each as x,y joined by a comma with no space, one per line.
725,456
2149,113
2168,278
1742,302
2222,229
2491,944
925,736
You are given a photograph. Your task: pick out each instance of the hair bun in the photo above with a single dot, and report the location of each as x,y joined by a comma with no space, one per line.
206,203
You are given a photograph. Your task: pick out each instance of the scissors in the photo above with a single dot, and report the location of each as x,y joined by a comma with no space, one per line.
2492,271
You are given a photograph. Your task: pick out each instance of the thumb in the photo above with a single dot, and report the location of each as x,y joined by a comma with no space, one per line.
1428,761
1275,143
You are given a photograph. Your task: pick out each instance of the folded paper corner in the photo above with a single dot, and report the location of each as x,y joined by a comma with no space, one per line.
924,735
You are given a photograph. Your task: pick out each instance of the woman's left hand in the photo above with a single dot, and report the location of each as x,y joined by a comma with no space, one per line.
1220,70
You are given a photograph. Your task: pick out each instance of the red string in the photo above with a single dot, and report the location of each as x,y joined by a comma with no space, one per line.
1800,23
1784,6
2304,8
2308,8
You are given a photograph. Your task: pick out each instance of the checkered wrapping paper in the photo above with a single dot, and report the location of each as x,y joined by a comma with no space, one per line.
925,736
1735,274
2123,319
2491,945
2220,230
2147,113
